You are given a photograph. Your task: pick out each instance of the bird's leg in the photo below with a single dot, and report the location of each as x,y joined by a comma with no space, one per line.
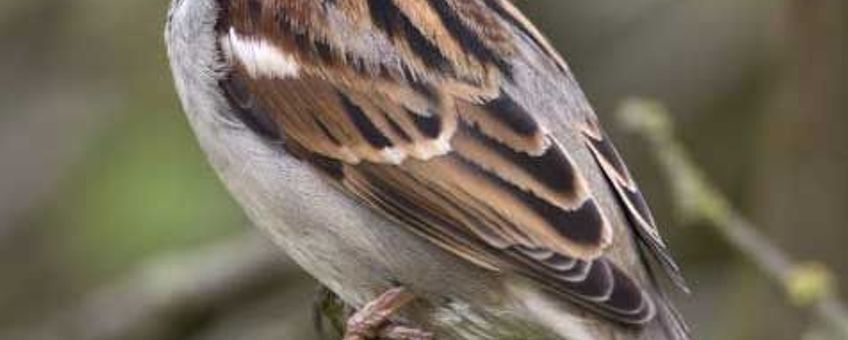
372,321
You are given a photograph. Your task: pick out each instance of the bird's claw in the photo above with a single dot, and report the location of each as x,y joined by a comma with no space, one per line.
372,321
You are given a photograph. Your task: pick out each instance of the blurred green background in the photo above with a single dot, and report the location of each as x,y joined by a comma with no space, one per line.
100,175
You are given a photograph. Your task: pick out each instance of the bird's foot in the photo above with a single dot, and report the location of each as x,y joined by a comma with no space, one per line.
372,321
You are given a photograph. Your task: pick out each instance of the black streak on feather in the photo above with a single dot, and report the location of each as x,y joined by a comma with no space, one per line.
628,193
329,166
607,150
510,113
423,47
223,23
583,226
367,128
387,17
626,297
424,89
384,15
467,38
332,167
515,22
254,8
598,283
245,109
303,42
325,52
635,197
282,18
552,169
430,126
604,289
327,132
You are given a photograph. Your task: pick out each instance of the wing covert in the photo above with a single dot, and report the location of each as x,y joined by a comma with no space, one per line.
422,131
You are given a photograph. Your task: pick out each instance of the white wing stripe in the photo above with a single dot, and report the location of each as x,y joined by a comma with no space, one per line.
259,57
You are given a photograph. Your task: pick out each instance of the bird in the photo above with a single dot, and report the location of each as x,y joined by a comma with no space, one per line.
433,163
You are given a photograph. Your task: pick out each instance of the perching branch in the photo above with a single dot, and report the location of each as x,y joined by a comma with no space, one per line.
807,284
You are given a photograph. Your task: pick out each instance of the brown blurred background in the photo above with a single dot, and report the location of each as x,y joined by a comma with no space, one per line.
112,224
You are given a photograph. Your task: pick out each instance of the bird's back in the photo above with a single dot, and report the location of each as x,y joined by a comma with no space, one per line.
514,106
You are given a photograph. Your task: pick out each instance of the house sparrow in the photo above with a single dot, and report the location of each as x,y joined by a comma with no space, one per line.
432,162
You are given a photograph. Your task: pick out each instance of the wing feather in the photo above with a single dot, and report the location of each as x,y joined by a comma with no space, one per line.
423,131
635,207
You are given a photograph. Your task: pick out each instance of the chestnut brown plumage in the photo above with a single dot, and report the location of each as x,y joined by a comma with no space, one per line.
432,113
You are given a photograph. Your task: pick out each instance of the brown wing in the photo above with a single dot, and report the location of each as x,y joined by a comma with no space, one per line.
632,201
419,126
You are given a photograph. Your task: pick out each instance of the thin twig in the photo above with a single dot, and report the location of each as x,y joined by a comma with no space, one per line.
807,284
